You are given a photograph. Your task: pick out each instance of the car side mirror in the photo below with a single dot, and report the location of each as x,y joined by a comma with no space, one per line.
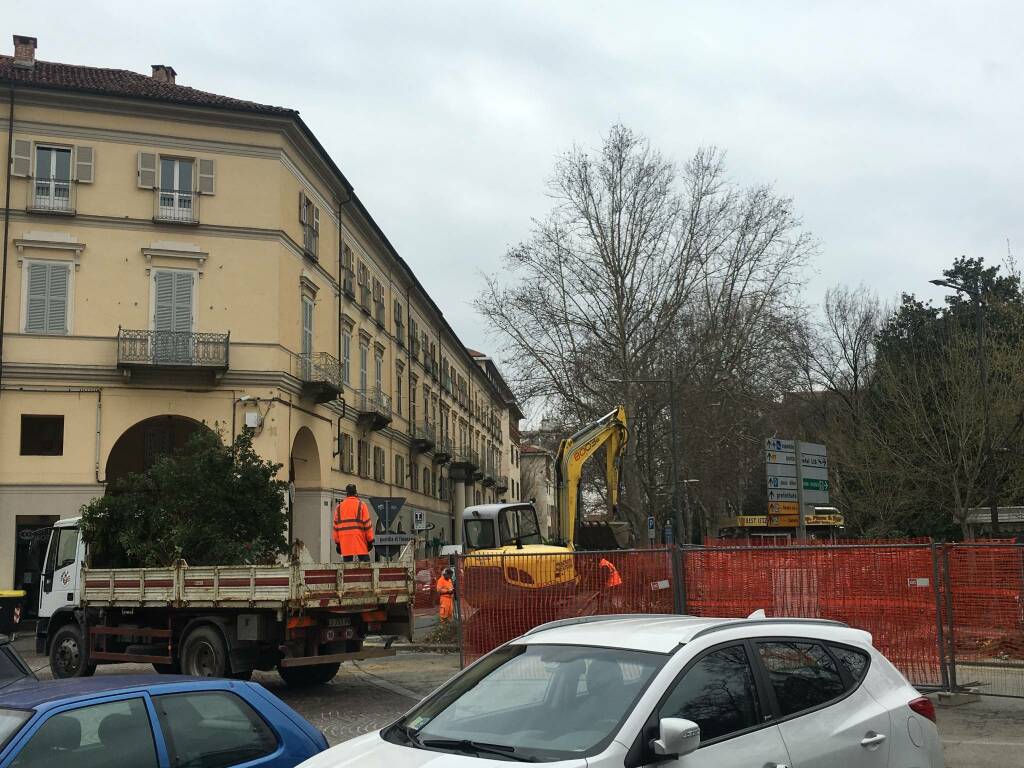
677,737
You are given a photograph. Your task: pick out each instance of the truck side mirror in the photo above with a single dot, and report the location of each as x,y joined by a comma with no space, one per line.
677,737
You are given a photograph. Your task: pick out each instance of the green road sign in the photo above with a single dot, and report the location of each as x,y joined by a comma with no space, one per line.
815,485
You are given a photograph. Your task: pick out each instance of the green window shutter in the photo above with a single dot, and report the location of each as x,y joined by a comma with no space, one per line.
85,163
206,178
35,312
21,158
57,299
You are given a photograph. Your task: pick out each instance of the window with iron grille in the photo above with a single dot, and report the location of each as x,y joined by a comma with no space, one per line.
363,454
346,452
399,478
378,464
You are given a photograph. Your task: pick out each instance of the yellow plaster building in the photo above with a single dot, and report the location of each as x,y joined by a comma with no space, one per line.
174,258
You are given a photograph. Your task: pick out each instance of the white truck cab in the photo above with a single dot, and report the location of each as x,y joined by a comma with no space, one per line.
62,574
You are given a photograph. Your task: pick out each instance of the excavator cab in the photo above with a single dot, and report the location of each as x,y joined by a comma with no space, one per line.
500,526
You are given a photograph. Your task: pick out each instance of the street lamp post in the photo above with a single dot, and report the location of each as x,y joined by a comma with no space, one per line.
979,329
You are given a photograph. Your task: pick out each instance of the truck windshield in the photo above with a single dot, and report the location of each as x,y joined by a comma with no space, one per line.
533,703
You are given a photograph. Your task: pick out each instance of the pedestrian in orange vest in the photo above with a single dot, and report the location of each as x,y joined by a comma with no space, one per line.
353,530
446,589
611,587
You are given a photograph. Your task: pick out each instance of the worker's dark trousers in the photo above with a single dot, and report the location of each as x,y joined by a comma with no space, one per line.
356,558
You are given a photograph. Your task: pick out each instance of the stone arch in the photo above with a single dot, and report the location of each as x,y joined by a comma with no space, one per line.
139,445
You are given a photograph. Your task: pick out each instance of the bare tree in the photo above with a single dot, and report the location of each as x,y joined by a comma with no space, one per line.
642,268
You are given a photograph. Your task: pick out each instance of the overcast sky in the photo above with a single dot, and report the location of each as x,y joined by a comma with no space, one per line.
897,132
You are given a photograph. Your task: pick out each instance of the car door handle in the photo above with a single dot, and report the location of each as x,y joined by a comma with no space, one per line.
872,739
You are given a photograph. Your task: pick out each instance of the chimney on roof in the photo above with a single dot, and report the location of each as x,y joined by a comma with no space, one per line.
163,73
24,51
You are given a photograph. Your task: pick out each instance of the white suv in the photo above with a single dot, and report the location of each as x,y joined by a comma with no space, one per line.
630,691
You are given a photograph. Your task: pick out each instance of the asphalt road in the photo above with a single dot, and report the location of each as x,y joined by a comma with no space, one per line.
367,695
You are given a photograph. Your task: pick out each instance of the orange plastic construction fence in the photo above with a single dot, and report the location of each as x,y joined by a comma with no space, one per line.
501,597
888,590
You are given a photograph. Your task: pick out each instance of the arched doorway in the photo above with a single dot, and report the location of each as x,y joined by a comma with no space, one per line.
140,445
304,475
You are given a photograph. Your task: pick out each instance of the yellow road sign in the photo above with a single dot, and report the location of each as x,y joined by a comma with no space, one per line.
783,508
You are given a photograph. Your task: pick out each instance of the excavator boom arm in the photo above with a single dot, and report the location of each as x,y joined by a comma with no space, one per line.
573,452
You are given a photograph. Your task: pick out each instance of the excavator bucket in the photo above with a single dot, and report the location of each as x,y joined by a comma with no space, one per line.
604,534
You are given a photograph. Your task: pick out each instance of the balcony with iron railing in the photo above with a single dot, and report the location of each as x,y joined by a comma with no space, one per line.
490,475
465,458
373,407
501,483
320,374
51,195
176,206
423,437
444,450
180,350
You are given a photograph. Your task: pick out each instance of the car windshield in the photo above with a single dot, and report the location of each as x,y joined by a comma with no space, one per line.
11,721
533,703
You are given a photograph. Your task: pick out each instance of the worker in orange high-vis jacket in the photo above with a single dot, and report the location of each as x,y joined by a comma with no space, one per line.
611,586
353,529
446,590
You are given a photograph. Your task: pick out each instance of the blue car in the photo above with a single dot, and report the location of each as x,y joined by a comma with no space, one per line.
150,721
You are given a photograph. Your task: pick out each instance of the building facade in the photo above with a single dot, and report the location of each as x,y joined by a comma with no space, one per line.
537,471
175,260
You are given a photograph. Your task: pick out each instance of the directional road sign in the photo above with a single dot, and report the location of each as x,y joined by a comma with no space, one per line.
777,481
779,457
774,495
797,476
775,444
783,508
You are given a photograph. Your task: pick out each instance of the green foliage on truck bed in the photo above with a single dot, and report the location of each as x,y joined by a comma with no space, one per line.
209,504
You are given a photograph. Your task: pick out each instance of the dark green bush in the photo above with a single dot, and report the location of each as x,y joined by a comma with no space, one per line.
209,504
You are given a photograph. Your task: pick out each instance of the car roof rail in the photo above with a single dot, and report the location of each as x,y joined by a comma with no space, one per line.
766,620
592,619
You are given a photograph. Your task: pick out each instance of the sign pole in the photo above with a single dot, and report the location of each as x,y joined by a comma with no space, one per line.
802,530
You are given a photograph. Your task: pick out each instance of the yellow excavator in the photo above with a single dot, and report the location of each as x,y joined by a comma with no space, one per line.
506,538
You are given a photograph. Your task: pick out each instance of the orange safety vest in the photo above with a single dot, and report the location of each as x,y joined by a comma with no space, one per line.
353,531
612,579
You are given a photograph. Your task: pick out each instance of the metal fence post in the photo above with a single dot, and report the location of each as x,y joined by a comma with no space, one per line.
678,581
940,638
950,623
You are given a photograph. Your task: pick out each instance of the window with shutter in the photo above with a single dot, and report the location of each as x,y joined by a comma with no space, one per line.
46,298
172,315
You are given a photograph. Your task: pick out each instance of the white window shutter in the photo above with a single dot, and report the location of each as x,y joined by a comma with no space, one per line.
207,177
147,170
57,299
84,164
35,310
183,282
21,160
163,297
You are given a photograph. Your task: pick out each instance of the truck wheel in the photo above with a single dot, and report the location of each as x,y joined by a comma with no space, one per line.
69,656
316,674
203,654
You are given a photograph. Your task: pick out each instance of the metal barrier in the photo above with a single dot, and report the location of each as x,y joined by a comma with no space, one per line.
983,609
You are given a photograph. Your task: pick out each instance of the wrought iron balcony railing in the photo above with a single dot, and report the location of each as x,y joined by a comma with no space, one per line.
179,206
172,349
51,195
466,457
423,436
374,407
444,450
501,484
320,374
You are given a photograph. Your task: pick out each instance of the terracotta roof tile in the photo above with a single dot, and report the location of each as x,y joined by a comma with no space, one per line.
121,82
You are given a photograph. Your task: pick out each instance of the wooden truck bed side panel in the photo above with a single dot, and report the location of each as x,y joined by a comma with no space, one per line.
357,586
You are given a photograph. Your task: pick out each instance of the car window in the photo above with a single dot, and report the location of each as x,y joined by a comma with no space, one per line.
212,729
11,721
113,733
717,693
856,662
480,534
802,675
